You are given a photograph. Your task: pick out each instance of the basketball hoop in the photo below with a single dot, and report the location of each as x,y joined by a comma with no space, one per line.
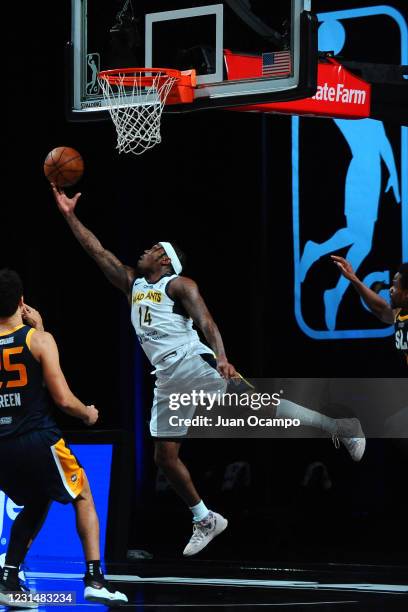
136,97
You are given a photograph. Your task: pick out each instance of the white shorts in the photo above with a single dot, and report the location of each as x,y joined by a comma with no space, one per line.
185,371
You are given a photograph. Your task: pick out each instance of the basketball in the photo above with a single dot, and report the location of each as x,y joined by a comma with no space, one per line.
63,166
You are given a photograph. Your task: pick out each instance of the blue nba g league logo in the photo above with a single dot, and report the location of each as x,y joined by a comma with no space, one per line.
362,184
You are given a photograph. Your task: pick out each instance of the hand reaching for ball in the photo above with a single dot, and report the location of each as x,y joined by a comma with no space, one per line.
65,204
64,167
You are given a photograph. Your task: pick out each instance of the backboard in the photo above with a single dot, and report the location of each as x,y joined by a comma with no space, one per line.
243,51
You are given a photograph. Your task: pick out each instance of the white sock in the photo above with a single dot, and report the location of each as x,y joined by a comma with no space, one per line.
199,511
307,417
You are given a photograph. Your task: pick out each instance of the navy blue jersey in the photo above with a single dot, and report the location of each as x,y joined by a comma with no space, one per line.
24,401
401,332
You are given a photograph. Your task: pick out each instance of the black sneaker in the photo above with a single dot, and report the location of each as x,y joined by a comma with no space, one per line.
15,595
100,591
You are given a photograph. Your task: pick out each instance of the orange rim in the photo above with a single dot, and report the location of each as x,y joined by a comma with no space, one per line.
132,76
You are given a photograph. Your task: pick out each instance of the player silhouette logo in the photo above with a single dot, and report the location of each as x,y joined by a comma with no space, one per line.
369,147
92,85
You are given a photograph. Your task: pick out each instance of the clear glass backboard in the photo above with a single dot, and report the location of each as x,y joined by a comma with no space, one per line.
243,51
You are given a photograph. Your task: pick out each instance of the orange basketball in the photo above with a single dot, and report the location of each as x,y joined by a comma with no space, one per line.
63,166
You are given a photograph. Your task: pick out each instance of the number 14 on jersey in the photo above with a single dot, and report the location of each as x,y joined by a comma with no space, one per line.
146,317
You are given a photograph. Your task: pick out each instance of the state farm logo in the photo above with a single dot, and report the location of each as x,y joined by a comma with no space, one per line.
8,510
340,93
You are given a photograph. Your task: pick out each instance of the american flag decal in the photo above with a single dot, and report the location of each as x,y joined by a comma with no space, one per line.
278,63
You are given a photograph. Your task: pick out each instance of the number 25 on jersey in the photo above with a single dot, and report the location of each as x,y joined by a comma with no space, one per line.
7,365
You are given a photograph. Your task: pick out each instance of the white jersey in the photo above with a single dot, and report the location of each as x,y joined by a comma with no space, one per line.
160,323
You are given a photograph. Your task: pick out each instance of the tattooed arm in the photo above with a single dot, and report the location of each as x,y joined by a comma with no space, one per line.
186,290
118,274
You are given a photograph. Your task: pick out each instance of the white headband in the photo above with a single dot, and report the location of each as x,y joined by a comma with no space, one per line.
171,253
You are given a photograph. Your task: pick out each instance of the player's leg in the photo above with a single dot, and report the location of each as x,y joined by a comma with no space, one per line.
178,377
25,527
87,523
20,479
206,523
348,431
97,588
166,457
65,481
195,372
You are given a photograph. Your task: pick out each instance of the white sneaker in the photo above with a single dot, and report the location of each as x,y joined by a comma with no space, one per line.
351,435
102,593
204,531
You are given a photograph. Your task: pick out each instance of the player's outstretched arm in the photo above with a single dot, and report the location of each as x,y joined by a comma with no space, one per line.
118,274
45,350
375,303
186,290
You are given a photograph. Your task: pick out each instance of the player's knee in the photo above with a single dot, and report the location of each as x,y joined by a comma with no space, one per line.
164,457
86,494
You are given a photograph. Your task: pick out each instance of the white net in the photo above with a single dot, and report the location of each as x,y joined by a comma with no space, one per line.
135,105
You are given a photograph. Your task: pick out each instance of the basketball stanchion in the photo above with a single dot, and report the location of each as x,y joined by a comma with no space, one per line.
135,98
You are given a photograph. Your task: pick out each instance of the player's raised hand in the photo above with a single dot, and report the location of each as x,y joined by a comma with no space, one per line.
64,203
32,317
92,416
344,266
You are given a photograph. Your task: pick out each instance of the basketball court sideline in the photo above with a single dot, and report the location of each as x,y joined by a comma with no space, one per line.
229,585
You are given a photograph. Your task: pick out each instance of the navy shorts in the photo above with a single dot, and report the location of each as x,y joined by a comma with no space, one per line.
39,464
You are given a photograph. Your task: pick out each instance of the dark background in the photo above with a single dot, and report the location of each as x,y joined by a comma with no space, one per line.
219,185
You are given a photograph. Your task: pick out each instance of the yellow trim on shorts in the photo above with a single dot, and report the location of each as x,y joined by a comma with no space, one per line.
72,474
28,337
11,331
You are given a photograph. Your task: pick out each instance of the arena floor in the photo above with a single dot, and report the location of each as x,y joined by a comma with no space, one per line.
155,586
